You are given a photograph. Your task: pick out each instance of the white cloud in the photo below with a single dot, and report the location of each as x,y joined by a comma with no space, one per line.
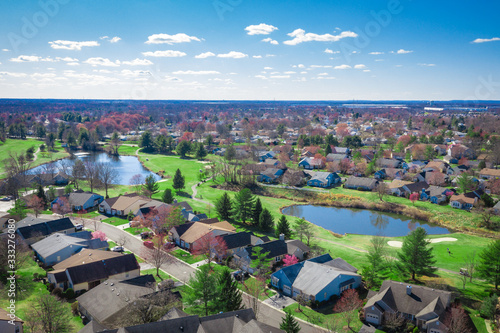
321,66
25,58
195,72
171,39
327,50
260,29
232,54
271,41
280,76
172,79
204,55
402,51
98,61
138,62
398,66
301,66
115,39
268,68
104,37
376,53
13,74
270,55
303,72
43,75
366,70
360,66
289,72
300,36
73,64
427,65
71,45
167,53
342,67
322,74
5,50
325,78
485,40
67,59
261,77
138,73
257,57
379,59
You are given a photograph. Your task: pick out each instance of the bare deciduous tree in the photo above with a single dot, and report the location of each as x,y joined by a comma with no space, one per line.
52,315
91,174
107,175
158,255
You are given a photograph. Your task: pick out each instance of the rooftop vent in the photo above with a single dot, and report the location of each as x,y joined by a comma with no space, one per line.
408,290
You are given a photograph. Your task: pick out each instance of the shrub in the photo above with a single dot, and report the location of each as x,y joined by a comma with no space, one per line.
57,292
74,308
35,276
69,294
49,286
488,307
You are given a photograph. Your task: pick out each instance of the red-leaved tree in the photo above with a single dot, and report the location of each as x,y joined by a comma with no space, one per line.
61,206
348,305
99,234
457,321
414,197
35,203
290,260
211,247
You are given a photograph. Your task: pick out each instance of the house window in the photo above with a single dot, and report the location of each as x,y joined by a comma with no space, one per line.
275,281
349,286
278,259
17,329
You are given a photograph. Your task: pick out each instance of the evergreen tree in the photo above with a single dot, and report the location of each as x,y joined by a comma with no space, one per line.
289,324
19,209
328,149
167,196
266,221
223,207
489,265
41,194
283,227
201,297
230,153
146,141
410,123
415,256
183,148
178,181
151,185
229,296
209,140
257,209
243,205
261,263
201,152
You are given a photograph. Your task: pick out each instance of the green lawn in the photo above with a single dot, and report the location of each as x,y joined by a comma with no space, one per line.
20,146
265,294
116,221
163,275
318,318
217,268
186,256
136,231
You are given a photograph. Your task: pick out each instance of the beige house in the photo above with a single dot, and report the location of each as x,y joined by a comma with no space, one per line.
10,324
88,268
122,205
185,235
490,173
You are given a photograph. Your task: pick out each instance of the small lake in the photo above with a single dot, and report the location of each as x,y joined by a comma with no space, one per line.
127,166
361,221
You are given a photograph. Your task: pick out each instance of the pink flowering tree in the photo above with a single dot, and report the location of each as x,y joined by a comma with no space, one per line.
290,260
99,234
414,197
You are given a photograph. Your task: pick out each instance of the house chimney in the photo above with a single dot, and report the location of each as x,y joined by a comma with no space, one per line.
282,237
408,290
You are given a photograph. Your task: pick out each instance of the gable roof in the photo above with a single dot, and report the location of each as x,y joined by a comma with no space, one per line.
79,198
85,256
361,181
239,239
45,227
4,316
198,230
417,187
322,176
422,300
112,296
56,242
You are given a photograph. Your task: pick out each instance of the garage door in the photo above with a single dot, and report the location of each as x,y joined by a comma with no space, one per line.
287,290
296,293
371,318
433,330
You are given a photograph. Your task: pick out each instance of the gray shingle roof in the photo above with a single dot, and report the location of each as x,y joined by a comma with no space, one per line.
56,242
45,227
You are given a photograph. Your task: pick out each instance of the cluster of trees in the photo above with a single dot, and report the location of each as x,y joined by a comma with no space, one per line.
165,144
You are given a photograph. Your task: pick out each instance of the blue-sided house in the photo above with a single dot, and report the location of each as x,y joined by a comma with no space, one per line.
317,279
435,194
324,179
81,200
270,175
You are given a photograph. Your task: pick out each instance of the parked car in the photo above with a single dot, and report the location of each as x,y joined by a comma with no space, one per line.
149,244
78,227
117,249
8,198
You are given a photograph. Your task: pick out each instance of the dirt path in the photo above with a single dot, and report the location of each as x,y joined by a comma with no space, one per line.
193,188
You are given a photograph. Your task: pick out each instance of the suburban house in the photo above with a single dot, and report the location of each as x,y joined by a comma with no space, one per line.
240,321
264,155
277,250
424,306
388,163
318,279
462,201
58,247
82,200
489,173
436,178
32,229
394,173
435,194
324,179
312,163
46,179
122,205
439,166
6,320
414,187
361,183
335,157
294,177
108,303
88,268
396,187
309,151
239,241
459,151
270,175
185,235
496,208
380,174
341,150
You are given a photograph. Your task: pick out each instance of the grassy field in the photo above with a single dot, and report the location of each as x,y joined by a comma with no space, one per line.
186,256
163,275
20,146
116,221
136,231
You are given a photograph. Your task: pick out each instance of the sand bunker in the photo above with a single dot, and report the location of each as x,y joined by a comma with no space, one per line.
434,240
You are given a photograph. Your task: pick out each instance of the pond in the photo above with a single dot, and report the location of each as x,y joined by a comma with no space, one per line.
127,166
361,221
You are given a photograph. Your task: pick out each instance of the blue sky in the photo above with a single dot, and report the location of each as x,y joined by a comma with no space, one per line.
242,49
